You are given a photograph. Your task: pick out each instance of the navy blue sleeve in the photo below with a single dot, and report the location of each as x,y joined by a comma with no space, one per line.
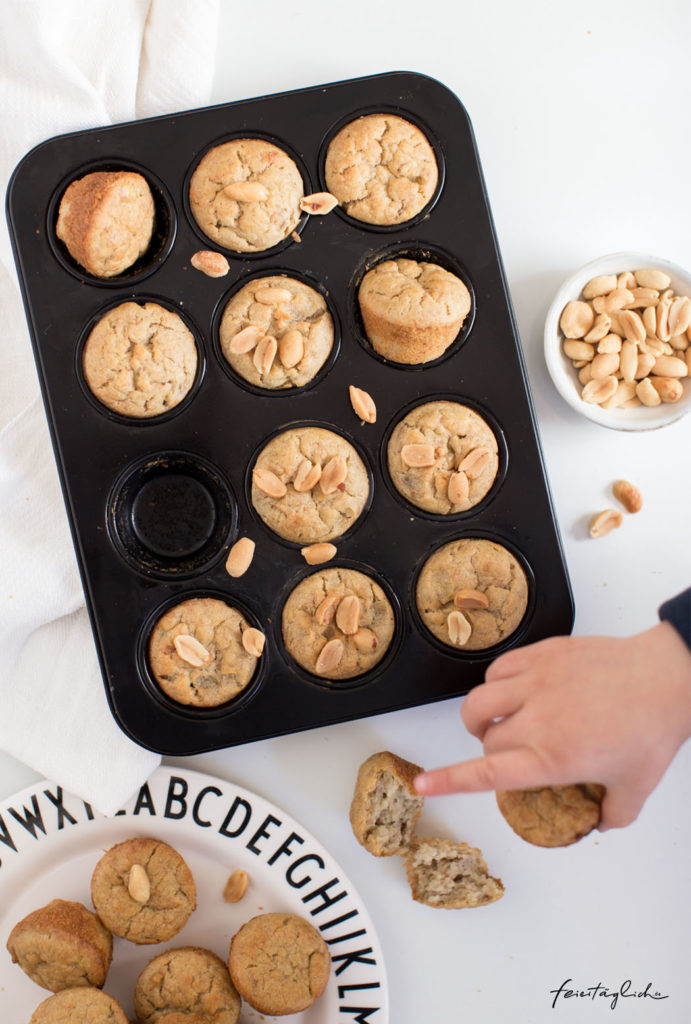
678,611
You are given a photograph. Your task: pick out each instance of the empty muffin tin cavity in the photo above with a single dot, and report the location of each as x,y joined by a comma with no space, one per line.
190,711
170,514
210,243
234,375
502,454
162,239
486,652
132,420
434,142
369,677
421,252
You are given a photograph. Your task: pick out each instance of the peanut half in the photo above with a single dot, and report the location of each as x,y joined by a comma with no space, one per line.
459,629
307,476
246,191
236,886
315,554
458,488
191,650
418,455
326,609
348,615
364,640
264,354
363,404
291,348
138,884
246,339
269,483
330,656
271,295
475,462
333,474
240,557
604,522
318,202
468,598
253,641
628,495
213,264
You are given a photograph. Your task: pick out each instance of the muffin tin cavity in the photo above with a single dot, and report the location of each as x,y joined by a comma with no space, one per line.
446,463
258,226
304,326
171,514
385,182
483,578
162,238
420,252
156,503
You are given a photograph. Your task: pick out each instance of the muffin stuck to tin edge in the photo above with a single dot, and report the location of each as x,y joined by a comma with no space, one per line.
381,168
245,195
106,220
472,593
198,652
337,623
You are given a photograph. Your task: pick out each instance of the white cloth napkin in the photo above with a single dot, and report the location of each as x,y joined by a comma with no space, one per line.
66,66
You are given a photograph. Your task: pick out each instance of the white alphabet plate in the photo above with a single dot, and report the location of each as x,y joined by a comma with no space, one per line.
50,842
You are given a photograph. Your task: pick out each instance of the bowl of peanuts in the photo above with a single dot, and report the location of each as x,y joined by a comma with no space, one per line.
618,341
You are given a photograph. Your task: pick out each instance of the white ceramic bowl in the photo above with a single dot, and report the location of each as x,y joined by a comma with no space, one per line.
561,369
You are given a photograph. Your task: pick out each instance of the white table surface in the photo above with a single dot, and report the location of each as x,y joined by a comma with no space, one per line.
581,114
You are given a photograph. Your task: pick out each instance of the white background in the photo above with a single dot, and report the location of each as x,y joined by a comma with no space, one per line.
581,114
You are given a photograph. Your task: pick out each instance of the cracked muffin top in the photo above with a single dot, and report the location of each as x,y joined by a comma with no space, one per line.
381,168
338,623
190,981
106,220
143,890
472,593
140,360
245,195
276,332
279,963
552,815
309,456
81,1005
197,653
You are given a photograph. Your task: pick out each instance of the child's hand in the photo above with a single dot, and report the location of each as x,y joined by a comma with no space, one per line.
578,709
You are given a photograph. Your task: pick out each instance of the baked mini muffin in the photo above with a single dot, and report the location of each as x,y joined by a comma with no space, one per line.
198,653
337,623
62,945
412,310
279,963
245,195
140,360
472,593
143,890
381,168
79,1006
385,806
106,220
553,815
442,457
276,332
187,980
443,873
309,485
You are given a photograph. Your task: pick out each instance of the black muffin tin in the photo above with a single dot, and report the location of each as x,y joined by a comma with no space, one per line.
192,465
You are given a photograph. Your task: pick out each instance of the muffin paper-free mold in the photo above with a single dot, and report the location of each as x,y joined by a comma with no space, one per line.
155,504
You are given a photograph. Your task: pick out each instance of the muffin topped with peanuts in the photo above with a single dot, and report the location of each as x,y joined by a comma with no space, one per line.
245,195
309,485
443,457
276,332
338,623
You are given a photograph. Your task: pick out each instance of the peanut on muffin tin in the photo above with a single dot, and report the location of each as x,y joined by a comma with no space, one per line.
154,505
